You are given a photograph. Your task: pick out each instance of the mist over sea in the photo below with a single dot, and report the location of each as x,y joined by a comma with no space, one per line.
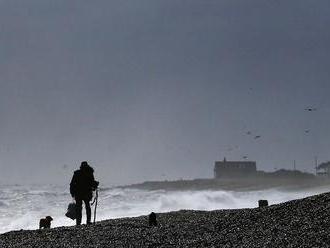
21,207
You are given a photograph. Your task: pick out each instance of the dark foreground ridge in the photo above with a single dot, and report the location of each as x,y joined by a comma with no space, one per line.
299,223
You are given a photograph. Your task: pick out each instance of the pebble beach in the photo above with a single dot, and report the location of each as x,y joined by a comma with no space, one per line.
299,223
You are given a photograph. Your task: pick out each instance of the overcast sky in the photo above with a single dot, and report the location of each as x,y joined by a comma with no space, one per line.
155,89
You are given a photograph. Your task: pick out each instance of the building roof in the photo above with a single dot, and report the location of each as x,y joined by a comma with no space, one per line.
236,162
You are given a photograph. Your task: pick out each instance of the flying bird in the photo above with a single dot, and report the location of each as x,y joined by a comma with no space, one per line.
310,109
307,131
257,137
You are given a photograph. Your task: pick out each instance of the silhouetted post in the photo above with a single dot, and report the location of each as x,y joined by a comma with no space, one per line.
315,161
152,219
263,203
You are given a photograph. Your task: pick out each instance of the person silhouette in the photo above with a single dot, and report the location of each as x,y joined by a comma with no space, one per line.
81,189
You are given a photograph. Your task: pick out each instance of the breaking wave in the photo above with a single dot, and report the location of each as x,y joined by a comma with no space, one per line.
21,207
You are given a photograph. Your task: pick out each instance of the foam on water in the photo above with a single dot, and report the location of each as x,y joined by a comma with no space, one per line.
21,207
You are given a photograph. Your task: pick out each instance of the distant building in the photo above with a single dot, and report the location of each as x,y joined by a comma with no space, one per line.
234,169
323,169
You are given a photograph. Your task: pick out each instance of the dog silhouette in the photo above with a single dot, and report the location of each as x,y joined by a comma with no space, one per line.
45,223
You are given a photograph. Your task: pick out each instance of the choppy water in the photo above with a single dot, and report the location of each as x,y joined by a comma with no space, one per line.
21,207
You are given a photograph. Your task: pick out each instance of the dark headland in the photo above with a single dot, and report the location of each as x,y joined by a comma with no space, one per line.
234,184
238,179
299,223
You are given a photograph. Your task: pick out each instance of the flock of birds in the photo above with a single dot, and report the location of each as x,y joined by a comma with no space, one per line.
249,133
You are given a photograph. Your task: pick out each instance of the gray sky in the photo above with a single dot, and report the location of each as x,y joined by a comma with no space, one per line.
156,89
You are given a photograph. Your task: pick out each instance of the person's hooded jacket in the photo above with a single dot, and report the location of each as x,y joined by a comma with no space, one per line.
83,183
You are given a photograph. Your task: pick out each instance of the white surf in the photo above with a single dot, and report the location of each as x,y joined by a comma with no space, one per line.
21,207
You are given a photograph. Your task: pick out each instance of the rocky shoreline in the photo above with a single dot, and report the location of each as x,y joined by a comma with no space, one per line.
299,223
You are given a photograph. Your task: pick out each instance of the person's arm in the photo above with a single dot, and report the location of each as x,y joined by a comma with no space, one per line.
95,184
73,185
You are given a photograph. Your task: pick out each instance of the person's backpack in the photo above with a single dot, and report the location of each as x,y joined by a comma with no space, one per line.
71,213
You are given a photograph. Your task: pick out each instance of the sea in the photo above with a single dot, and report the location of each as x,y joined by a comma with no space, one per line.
22,206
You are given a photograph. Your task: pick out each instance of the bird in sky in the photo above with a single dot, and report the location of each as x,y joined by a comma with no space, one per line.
307,131
310,109
257,137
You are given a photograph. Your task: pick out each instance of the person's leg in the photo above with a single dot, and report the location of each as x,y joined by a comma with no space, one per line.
88,211
78,211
